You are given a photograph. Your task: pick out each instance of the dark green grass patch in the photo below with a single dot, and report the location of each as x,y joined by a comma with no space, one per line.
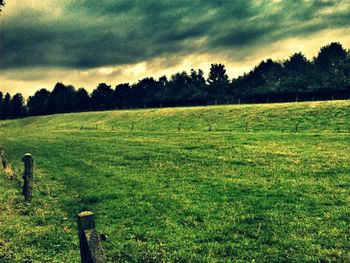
269,195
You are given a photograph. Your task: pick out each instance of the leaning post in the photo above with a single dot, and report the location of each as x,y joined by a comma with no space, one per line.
28,176
90,241
3,160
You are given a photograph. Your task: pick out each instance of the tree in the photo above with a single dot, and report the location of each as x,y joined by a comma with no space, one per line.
83,100
177,91
331,66
62,99
218,88
330,56
297,77
198,87
1,101
38,104
6,107
102,97
122,96
17,108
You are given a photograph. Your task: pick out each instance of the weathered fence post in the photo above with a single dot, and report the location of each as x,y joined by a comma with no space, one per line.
246,126
179,127
209,127
296,126
132,126
28,176
91,250
3,160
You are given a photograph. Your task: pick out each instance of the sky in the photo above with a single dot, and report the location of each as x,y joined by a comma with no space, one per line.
86,42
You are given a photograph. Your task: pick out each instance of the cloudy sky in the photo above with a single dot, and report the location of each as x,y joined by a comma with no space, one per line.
85,42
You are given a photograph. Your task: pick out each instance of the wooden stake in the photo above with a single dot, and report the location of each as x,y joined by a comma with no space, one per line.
3,160
28,176
91,250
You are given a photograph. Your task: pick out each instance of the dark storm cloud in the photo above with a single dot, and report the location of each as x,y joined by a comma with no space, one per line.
86,33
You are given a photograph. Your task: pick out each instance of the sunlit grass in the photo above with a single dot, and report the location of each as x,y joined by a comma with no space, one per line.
271,194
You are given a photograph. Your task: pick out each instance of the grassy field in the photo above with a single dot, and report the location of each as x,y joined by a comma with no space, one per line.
267,195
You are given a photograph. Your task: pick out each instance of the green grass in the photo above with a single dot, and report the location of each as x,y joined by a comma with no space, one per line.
160,195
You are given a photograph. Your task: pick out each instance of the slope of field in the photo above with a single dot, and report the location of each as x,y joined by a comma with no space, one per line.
326,116
160,195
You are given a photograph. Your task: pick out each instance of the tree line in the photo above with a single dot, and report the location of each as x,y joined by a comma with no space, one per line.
326,76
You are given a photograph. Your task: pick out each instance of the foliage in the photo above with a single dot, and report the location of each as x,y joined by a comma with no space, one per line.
327,76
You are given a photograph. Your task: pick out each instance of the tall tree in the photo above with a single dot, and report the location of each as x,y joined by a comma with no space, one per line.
62,99
297,77
198,87
122,96
331,67
17,107
38,103
1,102
83,100
218,81
6,107
102,97
330,56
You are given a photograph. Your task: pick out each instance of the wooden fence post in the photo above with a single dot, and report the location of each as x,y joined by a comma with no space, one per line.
91,250
296,126
179,127
209,127
3,160
246,126
28,176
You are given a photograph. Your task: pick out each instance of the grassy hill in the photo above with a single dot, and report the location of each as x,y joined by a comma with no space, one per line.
160,195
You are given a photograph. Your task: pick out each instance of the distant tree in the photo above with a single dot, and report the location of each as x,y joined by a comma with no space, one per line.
331,75
218,81
296,64
144,93
178,90
198,87
17,107
102,98
297,78
330,56
6,107
1,105
62,99
122,96
38,103
83,100
261,83
1,101
162,90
